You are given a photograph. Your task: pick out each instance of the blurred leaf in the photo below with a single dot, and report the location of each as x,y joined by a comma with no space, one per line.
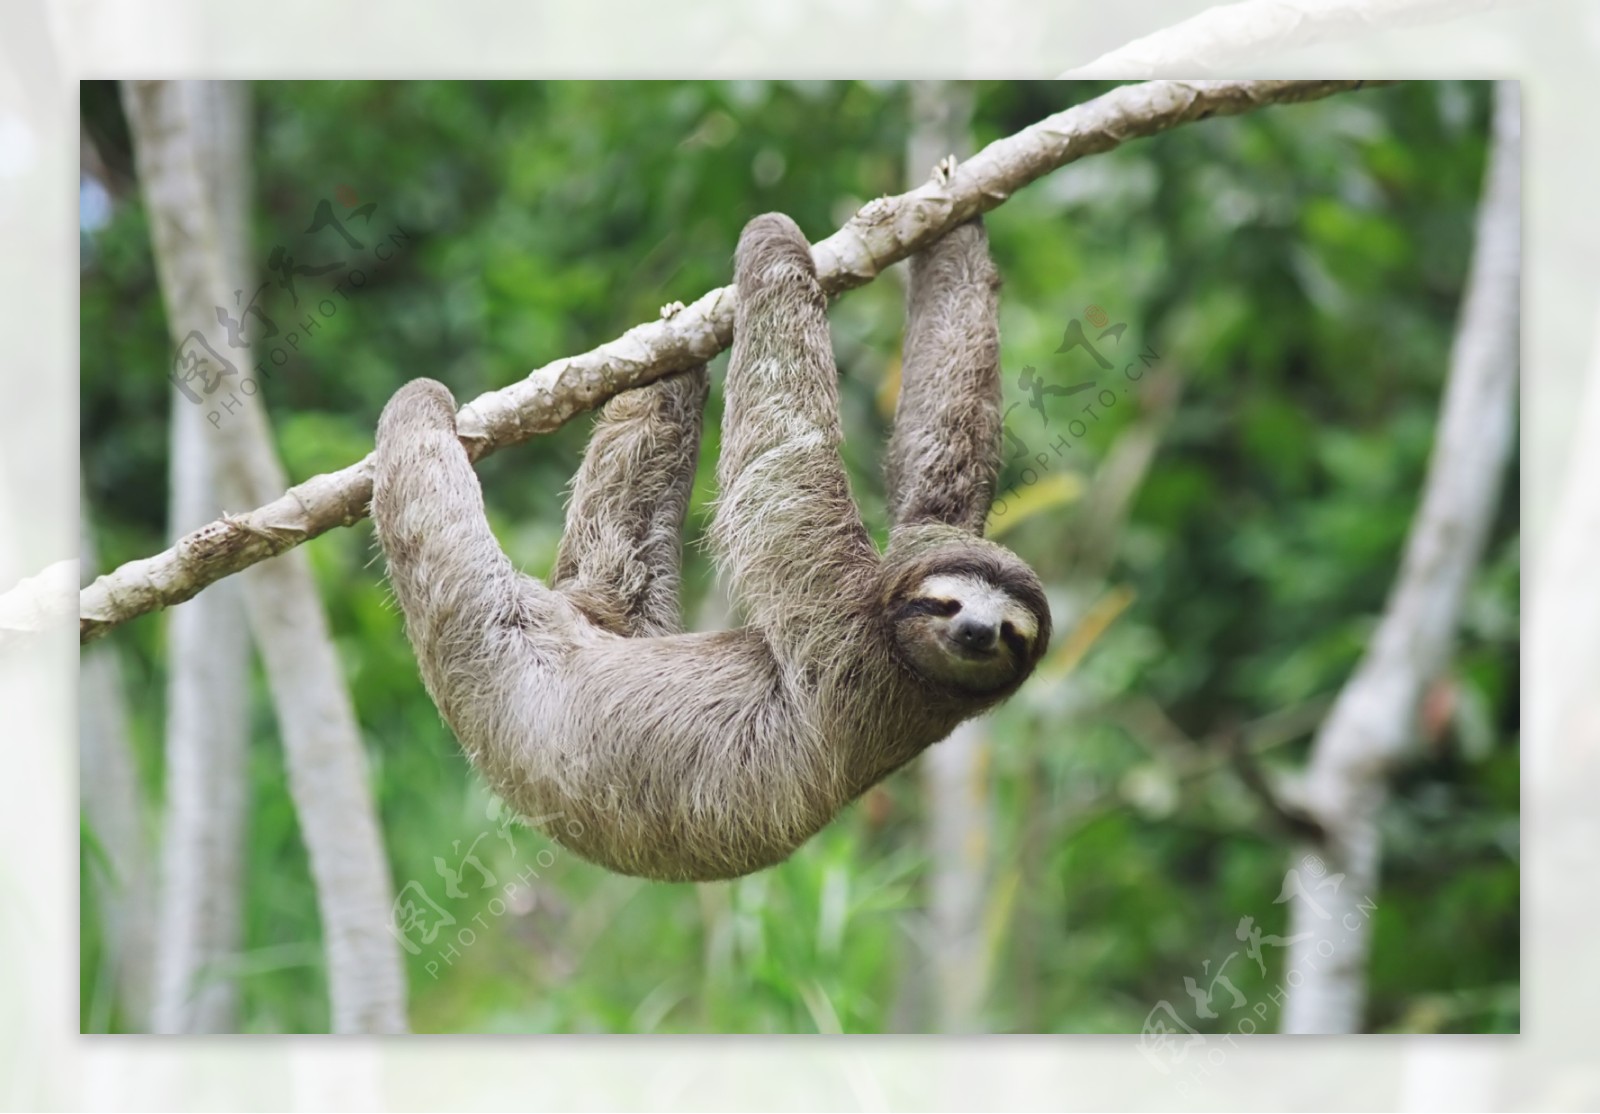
1054,490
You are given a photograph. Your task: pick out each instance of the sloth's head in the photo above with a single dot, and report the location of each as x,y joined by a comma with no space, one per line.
965,614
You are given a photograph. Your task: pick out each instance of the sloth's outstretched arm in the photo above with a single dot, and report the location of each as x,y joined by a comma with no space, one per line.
944,455
620,554
467,609
786,528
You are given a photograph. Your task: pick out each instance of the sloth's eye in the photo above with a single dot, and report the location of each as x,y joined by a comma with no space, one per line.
927,605
1008,629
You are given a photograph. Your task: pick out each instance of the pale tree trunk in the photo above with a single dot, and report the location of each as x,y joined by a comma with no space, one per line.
208,694
955,782
328,774
955,772
123,873
1372,723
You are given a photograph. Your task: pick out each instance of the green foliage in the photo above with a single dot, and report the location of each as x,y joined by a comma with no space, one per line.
1297,269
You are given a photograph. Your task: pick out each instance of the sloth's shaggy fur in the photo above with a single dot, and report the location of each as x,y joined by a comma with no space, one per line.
704,756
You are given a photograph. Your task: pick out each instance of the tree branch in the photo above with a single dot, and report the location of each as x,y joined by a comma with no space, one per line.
884,232
1287,815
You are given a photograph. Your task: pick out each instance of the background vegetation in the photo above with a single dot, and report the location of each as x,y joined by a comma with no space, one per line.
1297,270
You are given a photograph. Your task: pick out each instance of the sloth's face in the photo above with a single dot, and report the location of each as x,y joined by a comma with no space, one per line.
968,631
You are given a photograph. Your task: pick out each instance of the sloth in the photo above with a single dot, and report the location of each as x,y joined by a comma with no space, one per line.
702,756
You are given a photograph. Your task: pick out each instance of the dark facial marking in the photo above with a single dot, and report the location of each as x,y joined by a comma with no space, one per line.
1014,642
927,606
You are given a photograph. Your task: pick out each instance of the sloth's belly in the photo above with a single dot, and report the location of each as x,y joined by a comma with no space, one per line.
680,759
714,826
705,852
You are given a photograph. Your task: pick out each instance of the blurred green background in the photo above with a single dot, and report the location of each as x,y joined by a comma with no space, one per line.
1297,271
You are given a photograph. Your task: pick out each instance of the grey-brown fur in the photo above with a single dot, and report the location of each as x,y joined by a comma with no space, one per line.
944,456
704,756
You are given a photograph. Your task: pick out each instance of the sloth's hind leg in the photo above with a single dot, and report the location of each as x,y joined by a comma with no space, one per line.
620,554
786,528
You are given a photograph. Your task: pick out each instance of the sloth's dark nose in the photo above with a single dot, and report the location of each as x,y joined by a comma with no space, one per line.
974,634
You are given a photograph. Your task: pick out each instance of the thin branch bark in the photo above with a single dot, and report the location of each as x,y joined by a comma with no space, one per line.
328,776
1373,722
884,232
1293,820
